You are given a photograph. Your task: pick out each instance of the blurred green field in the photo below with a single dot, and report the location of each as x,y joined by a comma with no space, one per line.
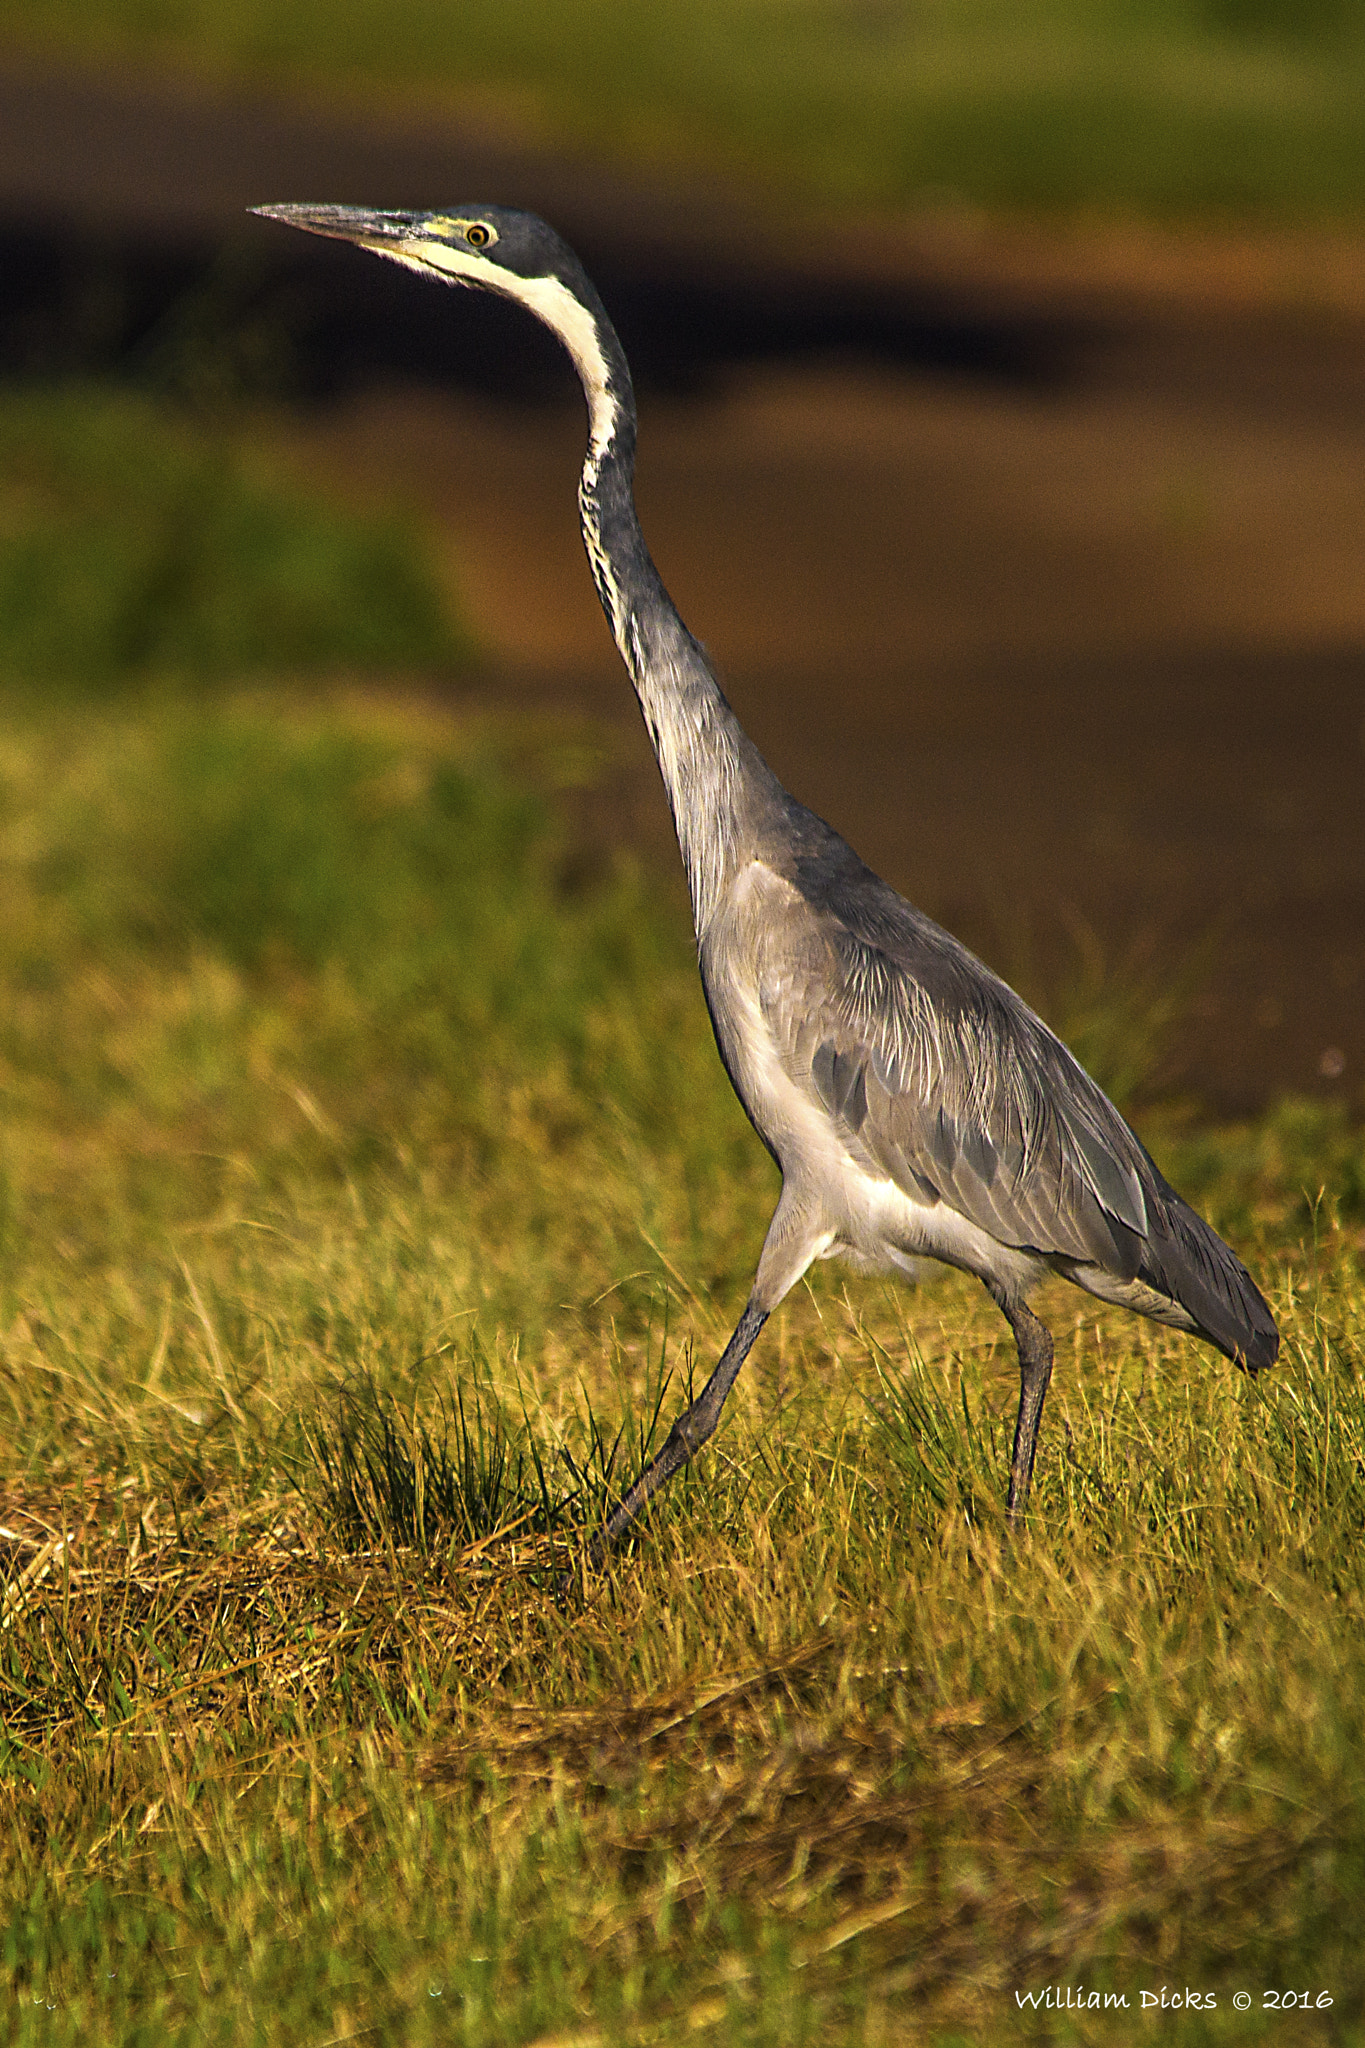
1170,106
136,540
369,1186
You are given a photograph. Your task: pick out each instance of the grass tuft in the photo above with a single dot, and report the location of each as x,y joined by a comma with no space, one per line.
457,1478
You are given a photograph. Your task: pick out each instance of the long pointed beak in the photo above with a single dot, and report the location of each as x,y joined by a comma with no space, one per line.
362,224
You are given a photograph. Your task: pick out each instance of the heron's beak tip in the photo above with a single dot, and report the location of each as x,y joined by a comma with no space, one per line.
292,216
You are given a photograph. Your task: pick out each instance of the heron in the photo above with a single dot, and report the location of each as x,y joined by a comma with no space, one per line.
917,1109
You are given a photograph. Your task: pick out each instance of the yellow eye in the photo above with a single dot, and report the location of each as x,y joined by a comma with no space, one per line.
478,236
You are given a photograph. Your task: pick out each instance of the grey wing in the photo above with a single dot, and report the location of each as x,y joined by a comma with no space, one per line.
942,1079
936,1075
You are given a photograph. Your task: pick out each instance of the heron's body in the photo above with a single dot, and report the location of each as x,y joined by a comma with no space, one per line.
916,1107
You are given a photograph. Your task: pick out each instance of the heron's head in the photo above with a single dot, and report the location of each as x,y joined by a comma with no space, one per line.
490,246
495,249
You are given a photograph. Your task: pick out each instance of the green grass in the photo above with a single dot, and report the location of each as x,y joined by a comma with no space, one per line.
368,1183
1171,105
139,541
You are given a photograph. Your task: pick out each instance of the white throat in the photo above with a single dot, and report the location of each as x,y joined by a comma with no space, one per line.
555,306
550,301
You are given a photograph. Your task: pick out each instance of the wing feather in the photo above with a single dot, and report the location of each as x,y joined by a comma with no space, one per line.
946,1082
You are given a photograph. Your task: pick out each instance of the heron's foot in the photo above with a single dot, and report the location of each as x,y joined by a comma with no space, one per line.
571,1584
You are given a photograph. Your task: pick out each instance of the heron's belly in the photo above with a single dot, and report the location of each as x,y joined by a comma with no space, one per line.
879,1227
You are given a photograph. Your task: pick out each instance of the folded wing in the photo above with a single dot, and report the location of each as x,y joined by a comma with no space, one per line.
943,1080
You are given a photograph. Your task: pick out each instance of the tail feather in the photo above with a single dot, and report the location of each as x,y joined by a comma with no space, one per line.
1186,1260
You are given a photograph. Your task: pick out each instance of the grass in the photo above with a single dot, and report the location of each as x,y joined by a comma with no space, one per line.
137,540
1161,105
371,1195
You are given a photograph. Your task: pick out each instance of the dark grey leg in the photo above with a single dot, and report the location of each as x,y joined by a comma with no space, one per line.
1035,1370
687,1435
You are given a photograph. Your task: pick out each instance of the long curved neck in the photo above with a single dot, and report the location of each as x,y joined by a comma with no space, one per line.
715,777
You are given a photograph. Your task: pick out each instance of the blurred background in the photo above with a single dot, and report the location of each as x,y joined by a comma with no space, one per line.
1002,378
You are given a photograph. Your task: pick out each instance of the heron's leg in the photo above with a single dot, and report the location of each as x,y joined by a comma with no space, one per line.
1035,1370
687,1435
